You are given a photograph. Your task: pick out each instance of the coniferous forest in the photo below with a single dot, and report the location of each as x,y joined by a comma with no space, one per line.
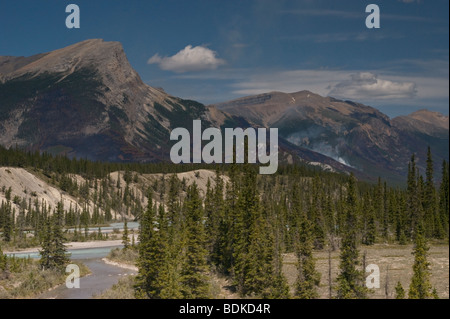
241,226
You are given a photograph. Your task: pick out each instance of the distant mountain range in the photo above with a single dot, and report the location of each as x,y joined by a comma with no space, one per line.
354,134
86,100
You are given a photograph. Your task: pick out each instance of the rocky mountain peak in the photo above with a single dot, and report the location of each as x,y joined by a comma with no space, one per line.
433,118
104,57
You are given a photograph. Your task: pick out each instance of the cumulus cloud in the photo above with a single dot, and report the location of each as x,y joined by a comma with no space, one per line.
190,59
366,85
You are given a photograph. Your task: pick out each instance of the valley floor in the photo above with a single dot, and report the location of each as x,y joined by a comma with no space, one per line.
394,261
395,264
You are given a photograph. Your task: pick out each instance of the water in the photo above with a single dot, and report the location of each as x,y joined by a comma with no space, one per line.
102,278
76,254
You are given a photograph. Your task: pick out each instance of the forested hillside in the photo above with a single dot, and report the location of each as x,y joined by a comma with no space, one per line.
234,221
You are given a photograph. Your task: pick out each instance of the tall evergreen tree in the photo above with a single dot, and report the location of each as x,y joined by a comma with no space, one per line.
444,196
195,268
350,279
308,278
420,287
145,280
125,235
433,222
54,253
399,291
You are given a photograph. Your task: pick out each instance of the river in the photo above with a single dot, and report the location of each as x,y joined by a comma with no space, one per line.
102,277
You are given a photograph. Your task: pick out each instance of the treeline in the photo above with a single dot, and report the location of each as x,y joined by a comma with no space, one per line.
101,200
51,164
242,228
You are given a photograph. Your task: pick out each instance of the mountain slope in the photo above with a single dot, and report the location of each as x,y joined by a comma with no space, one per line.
352,133
86,100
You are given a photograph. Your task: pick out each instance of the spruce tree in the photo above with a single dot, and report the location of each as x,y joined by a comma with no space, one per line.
433,222
54,253
369,222
168,278
308,278
61,257
434,294
420,287
144,284
350,279
3,260
413,198
315,214
399,291
243,218
444,198
194,273
125,238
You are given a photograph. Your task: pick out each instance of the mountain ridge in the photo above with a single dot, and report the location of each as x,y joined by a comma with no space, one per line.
352,133
86,100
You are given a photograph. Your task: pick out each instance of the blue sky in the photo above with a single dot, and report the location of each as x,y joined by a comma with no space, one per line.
217,50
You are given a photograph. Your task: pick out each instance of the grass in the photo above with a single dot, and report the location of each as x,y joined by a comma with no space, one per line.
394,261
122,290
124,256
31,281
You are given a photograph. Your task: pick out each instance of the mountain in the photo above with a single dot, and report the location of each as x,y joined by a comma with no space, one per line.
86,100
354,134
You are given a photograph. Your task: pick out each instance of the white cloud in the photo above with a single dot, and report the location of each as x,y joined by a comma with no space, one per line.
410,85
366,85
316,81
190,59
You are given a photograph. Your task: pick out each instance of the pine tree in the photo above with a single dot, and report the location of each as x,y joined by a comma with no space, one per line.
195,268
258,264
168,278
145,280
413,199
54,253
175,231
444,198
3,260
308,278
125,238
350,279
420,287
399,291
214,211
433,223
434,294
315,215
61,257
369,222
242,218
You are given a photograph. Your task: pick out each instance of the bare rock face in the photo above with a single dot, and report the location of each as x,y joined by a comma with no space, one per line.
86,100
352,133
427,122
